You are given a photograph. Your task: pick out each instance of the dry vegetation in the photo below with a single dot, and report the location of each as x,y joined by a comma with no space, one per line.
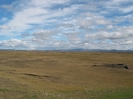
64,75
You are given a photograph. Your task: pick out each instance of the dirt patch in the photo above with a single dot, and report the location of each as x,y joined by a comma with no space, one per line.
51,78
54,79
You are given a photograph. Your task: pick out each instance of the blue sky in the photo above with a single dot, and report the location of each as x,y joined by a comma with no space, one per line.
66,24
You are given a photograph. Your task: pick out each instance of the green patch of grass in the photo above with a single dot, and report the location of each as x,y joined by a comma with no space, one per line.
122,94
30,97
5,90
17,94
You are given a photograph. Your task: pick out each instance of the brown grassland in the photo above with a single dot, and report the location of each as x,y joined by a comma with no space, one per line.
64,75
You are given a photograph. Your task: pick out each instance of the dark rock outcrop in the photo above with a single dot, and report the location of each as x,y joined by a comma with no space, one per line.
111,65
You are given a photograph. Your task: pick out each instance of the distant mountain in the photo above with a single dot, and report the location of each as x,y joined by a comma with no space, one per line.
95,50
73,50
91,50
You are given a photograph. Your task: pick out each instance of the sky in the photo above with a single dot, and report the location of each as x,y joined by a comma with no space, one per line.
66,24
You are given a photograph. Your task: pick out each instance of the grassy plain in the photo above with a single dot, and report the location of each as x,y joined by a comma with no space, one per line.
64,75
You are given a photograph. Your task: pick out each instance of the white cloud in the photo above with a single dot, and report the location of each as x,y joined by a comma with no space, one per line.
47,3
124,6
73,37
43,34
37,13
15,44
109,27
8,7
69,24
127,9
127,42
22,19
42,38
5,27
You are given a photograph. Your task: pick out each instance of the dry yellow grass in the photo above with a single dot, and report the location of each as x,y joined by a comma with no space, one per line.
62,75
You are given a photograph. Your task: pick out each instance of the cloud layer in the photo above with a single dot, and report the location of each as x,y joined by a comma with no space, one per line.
67,24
